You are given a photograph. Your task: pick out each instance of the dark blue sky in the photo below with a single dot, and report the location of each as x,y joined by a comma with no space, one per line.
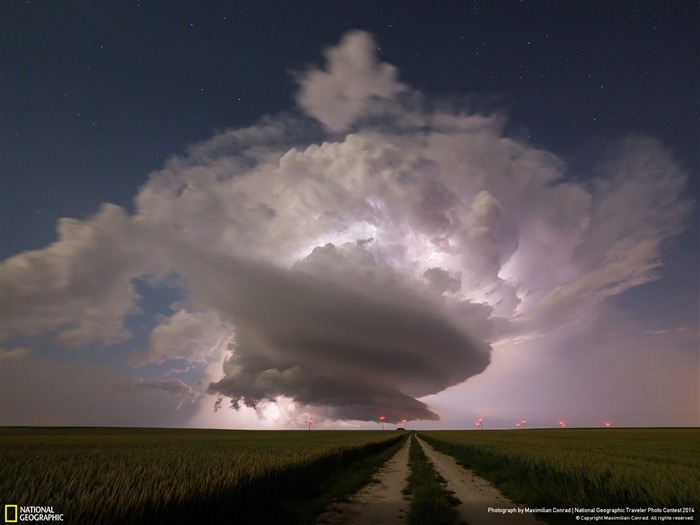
95,97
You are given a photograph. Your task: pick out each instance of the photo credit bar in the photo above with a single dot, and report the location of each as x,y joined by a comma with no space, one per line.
595,514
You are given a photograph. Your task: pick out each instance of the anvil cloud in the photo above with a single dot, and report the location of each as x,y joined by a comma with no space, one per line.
355,258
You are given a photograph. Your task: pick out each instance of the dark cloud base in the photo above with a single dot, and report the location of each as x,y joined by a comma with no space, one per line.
357,354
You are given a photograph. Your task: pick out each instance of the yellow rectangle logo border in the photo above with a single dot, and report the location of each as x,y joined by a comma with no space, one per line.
7,519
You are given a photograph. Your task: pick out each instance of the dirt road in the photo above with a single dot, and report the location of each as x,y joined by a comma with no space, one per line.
475,493
382,503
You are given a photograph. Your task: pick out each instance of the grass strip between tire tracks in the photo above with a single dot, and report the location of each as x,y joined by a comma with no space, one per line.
431,502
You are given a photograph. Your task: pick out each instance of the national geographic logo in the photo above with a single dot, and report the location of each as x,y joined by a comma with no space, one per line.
10,513
15,514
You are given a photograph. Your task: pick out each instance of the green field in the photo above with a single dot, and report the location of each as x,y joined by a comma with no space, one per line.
107,475
563,468
112,475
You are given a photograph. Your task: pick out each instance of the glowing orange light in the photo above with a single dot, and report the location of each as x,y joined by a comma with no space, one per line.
608,424
562,424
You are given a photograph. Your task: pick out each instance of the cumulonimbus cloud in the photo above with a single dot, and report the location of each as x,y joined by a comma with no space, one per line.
359,353
362,272
336,97
175,387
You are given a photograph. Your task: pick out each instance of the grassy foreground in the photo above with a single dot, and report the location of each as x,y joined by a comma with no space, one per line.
604,468
114,475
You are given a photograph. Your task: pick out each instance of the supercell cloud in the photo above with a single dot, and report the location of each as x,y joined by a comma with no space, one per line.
355,352
357,272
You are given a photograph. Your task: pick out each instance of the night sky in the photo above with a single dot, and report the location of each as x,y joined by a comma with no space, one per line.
245,214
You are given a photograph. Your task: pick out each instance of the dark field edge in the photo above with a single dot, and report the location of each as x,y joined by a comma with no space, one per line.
339,485
527,487
292,497
430,501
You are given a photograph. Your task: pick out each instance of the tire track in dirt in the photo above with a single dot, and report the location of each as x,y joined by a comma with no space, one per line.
379,503
382,501
475,493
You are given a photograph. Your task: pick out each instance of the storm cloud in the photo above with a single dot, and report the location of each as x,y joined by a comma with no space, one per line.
353,273
175,387
358,353
337,96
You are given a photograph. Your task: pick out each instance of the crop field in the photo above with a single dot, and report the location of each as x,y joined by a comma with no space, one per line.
101,476
604,468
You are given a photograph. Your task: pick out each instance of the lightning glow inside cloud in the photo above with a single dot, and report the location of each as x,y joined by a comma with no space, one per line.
357,274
